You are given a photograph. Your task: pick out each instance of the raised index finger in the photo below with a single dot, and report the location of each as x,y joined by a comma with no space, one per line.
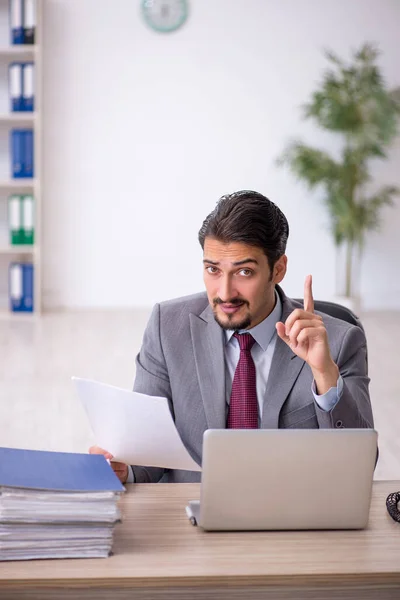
308,297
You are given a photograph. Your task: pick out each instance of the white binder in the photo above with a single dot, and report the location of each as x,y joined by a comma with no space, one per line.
27,215
14,213
16,14
16,281
29,14
15,83
28,90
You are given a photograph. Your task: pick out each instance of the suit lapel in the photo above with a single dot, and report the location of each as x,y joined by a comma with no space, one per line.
285,368
208,347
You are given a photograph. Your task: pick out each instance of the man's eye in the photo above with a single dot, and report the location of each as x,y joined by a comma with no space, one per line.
212,270
246,272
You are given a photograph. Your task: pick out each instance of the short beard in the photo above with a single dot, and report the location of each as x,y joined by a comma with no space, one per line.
244,324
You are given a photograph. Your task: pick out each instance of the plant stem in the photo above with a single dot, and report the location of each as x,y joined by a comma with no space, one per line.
349,256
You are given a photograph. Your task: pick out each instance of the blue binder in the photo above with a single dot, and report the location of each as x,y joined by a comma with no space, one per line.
17,153
57,471
16,21
21,287
15,86
28,94
22,153
28,153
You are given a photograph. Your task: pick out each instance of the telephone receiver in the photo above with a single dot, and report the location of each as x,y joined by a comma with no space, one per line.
392,506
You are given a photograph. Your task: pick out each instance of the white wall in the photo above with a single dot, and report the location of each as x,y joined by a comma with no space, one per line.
143,133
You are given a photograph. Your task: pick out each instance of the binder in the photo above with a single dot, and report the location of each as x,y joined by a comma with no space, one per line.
16,287
15,219
28,287
15,85
57,471
56,505
28,220
28,94
17,153
22,153
16,21
21,287
29,21
28,167
21,220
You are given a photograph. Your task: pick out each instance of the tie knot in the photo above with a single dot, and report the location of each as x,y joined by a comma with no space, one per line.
245,340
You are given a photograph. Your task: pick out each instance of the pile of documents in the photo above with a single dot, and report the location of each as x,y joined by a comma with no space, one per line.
56,505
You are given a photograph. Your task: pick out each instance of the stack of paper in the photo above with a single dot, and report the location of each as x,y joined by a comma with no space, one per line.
56,505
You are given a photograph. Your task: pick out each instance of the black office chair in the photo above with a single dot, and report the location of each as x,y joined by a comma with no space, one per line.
337,310
340,312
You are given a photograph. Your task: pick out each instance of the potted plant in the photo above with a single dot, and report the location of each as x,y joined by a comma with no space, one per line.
353,102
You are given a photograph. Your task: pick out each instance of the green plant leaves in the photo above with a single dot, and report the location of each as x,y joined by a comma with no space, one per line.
352,101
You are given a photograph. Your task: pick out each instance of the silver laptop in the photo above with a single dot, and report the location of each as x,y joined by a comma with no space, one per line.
285,479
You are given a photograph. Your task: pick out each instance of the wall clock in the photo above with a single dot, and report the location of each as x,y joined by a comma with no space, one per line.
165,15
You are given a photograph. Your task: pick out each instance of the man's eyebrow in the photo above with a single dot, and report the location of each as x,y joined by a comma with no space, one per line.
235,264
246,260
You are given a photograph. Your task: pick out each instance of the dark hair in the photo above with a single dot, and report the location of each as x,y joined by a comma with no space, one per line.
250,218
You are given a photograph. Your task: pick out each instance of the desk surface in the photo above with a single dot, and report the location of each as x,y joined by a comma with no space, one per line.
156,547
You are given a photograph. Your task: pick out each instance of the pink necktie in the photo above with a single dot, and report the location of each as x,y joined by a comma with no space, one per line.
243,408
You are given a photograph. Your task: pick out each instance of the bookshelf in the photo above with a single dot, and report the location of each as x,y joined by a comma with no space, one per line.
16,52
8,186
17,118
28,250
16,185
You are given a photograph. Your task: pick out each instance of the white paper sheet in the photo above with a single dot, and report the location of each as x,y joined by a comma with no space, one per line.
135,428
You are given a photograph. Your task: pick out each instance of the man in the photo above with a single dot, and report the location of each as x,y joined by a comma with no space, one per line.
243,354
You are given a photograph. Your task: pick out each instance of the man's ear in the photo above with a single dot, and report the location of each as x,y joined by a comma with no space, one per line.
280,269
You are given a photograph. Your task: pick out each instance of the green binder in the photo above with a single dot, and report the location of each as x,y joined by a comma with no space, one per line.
15,220
21,220
28,219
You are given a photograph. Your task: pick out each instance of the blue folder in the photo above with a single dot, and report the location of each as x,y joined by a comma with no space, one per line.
57,471
22,153
28,153
21,287
27,287
16,21
17,153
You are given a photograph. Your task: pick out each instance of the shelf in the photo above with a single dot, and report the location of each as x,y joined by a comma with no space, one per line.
8,315
17,184
17,117
9,185
21,249
17,50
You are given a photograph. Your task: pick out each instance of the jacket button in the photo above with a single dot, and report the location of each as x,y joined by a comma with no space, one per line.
339,424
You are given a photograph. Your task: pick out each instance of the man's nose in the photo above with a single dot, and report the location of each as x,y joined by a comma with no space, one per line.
226,289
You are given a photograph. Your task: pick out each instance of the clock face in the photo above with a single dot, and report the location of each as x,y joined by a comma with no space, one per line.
165,15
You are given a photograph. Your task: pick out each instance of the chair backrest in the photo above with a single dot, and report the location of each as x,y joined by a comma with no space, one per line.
337,310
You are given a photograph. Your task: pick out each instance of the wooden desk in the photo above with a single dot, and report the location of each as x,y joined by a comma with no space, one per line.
159,554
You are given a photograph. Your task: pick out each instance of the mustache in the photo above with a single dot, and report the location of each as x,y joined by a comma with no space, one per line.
232,301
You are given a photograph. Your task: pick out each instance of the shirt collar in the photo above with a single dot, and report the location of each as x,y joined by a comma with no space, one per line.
264,331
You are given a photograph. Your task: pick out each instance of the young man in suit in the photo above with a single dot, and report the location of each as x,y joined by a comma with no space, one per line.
243,354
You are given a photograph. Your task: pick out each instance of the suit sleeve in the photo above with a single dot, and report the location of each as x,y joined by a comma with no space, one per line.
151,379
353,410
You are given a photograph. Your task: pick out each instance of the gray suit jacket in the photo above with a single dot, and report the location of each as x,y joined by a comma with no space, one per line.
182,359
